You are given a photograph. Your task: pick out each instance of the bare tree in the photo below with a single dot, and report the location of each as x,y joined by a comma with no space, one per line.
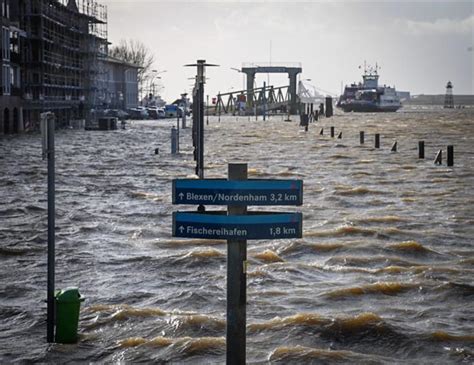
135,52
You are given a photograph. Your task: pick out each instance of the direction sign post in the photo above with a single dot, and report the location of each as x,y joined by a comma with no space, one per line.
237,226
236,282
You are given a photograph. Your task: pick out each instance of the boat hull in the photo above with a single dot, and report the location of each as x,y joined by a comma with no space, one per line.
369,108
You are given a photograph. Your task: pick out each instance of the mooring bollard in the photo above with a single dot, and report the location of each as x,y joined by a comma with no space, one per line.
157,151
394,147
339,135
321,132
361,137
421,149
439,158
450,157
377,140
332,132
174,135
329,112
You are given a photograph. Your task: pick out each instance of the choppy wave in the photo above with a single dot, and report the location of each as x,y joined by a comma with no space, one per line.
123,311
410,247
383,232
386,288
382,219
302,354
204,254
268,256
176,243
183,345
306,319
197,320
360,190
447,337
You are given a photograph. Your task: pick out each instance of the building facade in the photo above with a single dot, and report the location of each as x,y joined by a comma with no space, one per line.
11,105
50,61
122,84
55,59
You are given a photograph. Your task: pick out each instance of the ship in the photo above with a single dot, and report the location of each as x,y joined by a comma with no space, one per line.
368,96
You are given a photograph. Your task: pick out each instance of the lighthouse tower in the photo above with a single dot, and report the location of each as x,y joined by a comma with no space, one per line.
448,99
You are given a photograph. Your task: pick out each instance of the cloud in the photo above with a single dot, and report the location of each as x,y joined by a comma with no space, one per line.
437,27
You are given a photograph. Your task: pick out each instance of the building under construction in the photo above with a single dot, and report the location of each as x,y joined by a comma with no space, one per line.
60,68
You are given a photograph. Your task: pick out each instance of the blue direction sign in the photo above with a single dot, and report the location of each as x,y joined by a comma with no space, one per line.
245,192
217,225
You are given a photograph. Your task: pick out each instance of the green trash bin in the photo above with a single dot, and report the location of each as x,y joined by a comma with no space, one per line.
68,303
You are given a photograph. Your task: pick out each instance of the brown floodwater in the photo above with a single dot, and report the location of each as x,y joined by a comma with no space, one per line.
383,274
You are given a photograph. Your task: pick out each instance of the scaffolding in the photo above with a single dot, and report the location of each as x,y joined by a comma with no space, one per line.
66,40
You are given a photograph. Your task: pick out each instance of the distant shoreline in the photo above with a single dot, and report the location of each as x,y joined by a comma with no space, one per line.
439,100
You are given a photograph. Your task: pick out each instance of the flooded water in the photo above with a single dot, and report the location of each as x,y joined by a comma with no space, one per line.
382,275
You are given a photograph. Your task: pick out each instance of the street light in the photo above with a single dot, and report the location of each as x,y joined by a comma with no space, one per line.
155,76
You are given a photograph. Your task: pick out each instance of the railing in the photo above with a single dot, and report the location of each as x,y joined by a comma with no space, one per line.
271,64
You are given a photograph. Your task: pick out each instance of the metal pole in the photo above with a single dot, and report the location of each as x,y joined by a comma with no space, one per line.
207,109
177,131
264,101
174,146
51,226
219,105
185,110
236,283
201,131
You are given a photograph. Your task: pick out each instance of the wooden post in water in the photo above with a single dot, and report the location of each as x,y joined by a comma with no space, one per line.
450,157
177,132
207,109
439,158
377,140
394,147
361,137
421,149
236,283
219,105
339,136
321,132
174,147
332,132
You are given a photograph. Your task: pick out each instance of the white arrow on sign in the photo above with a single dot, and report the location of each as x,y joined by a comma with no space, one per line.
181,195
181,229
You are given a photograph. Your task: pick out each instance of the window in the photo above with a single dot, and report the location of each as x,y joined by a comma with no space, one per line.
6,80
5,43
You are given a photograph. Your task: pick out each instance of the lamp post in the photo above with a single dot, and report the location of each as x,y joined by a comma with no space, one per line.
123,96
155,76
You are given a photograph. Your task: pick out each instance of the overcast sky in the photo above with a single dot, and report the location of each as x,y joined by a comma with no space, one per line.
420,45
